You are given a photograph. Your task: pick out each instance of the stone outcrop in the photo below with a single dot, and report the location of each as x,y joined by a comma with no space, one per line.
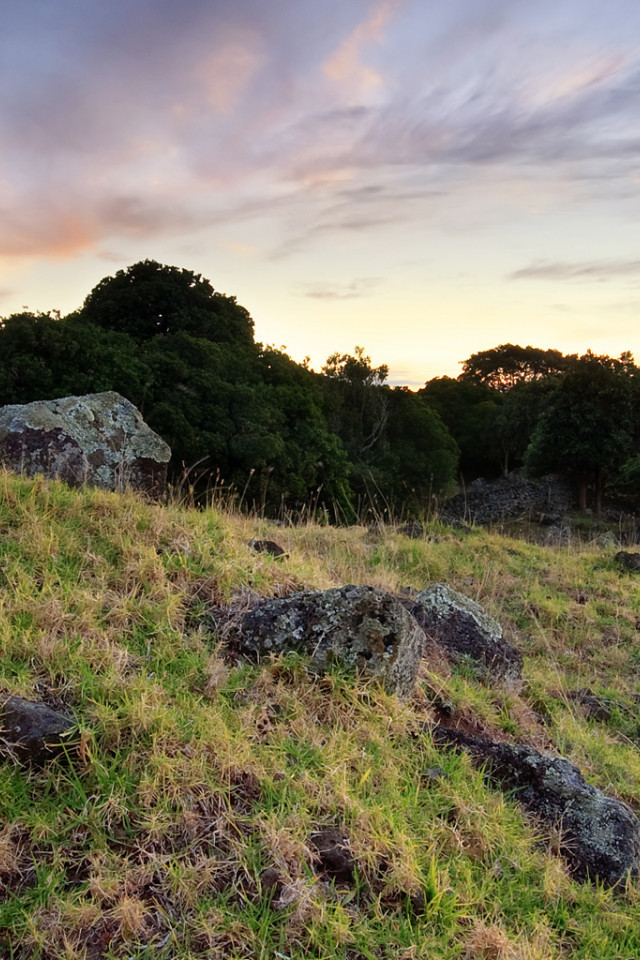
628,561
510,498
359,628
266,546
465,633
599,836
33,731
99,439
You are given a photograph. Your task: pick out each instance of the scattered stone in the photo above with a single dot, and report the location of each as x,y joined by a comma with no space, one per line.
99,439
628,561
266,546
272,882
414,530
594,707
467,634
334,854
33,731
599,836
560,535
358,627
433,775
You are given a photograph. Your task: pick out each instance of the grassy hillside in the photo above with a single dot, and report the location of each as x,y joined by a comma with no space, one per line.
183,826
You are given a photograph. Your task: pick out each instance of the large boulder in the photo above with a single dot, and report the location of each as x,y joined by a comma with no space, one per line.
33,731
360,628
99,439
465,632
599,836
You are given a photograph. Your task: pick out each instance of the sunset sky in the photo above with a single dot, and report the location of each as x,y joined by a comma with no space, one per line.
426,178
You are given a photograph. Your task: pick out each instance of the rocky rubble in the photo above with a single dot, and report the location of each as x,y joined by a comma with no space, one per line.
510,498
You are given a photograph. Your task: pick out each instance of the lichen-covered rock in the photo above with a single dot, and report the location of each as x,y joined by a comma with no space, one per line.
628,561
465,632
99,439
358,627
600,836
32,731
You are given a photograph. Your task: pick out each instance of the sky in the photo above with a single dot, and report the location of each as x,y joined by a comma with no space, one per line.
424,178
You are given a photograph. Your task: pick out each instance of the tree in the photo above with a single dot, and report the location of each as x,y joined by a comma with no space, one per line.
504,366
148,299
586,426
470,412
357,405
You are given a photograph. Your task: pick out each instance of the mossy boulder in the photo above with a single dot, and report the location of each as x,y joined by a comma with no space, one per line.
99,439
599,835
360,628
465,632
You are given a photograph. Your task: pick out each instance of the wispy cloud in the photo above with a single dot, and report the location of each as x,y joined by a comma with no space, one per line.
360,287
598,271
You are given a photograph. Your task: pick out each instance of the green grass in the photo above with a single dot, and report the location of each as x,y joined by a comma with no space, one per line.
196,775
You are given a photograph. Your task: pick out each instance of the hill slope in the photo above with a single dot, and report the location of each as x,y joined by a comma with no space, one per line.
192,819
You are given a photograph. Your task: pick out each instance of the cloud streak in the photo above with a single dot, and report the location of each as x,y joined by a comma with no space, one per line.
360,287
592,271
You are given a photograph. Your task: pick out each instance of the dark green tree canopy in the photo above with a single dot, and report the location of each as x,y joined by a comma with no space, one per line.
148,299
586,425
504,366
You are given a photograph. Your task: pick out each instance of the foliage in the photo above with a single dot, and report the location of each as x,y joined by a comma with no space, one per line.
149,298
471,412
504,366
586,426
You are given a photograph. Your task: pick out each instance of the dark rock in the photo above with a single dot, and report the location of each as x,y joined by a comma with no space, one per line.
511,497
595,707
271,882
414,530
266,546
433,775
628,561
334,854
466,634
33,731
99,439
599,836
358,627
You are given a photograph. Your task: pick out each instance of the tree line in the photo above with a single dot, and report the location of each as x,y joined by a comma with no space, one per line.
282,435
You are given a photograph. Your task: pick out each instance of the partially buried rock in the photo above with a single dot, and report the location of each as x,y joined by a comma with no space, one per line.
33,731
99,439
357,627
334,855
628,561
466,634
414,530
599,836
266,546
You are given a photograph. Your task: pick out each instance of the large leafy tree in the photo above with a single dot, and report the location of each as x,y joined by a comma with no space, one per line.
470,412
149,298
505,366
585,429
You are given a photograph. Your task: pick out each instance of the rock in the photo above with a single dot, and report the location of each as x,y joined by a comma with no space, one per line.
414,530
266,546
466,634
559,536
599,836
594,707
358,627
33,731
99,439
332,848
628,561
511,497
